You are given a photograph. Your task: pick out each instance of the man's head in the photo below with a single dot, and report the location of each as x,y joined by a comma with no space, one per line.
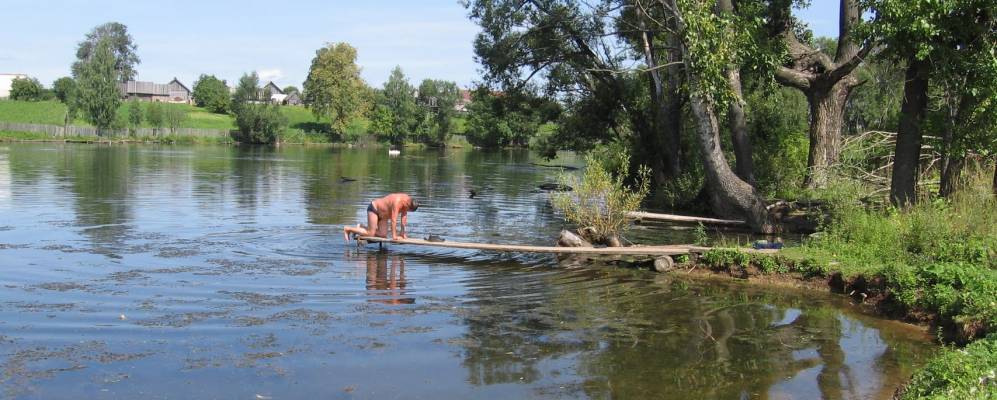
413,205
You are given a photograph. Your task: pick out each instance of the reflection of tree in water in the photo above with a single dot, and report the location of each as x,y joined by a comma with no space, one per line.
638,340
728,345
252,170
386,278
327,199
100,177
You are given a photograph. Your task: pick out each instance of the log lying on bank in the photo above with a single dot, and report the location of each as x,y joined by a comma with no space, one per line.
642,216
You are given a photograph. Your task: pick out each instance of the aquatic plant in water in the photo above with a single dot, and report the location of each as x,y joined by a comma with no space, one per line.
601,199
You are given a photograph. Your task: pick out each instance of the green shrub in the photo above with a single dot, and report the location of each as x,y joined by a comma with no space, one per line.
725,258
810,268
767,264
26,89
958,374
601,200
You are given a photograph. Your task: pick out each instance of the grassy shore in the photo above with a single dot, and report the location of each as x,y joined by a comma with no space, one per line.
6,136
54,113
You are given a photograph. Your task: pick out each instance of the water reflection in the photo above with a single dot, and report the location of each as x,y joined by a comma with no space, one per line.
699,342
386,279
228,261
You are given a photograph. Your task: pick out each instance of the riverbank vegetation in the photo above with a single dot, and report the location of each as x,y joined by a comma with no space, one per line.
599,202
881,138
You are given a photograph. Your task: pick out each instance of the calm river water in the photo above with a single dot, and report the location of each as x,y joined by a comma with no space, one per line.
220,272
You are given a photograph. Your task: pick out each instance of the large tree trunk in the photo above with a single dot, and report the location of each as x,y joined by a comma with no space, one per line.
739,130
951,176
730,197
908,151
654,148
735,114
826,82
671,106
953,158
827,108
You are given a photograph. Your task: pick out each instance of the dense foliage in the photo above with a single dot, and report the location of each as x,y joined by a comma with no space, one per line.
334,89
258,122
436,100
396,113
212,94
97,81
135,115
510,119
119,42
601,200
26,89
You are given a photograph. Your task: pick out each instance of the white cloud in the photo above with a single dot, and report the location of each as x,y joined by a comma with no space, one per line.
269,75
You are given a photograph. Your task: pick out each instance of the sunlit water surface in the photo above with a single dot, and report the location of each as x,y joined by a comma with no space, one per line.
220,272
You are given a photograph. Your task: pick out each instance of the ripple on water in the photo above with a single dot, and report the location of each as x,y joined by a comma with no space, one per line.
230,261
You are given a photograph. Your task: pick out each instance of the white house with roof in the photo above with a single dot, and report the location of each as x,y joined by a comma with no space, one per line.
5,81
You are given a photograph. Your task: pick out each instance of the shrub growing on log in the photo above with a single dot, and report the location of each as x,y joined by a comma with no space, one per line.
601,200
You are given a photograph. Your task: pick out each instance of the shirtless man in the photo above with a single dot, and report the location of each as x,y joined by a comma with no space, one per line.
382,211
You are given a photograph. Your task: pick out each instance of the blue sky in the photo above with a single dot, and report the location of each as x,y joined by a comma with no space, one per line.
185,38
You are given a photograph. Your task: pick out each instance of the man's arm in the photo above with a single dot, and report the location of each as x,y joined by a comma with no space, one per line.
404,225
394,222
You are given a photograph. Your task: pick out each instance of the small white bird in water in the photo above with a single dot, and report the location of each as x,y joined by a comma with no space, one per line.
393,152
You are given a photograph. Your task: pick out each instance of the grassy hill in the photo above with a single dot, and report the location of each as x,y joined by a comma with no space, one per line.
53,113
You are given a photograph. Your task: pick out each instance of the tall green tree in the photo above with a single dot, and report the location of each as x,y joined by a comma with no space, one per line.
155,115
948,44
97,80
175,118
509,119
291,89
64,89
570,49
826,79
398,99
26,89
258,122
134,115
437,100
122,47
709,47
66,92
212,94
334,88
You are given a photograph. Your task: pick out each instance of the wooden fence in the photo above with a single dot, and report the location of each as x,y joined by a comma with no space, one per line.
74,130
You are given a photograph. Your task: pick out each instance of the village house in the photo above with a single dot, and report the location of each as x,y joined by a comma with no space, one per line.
463,101
293,99
277,95
173,92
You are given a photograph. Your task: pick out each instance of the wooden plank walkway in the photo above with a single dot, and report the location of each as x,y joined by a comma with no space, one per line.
640,215
669,250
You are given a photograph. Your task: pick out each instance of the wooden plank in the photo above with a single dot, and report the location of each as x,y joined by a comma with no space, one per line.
668,250
684,218
507,248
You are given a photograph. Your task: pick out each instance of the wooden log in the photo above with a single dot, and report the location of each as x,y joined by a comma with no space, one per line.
667,250
664,264
568,239
640,215
507,248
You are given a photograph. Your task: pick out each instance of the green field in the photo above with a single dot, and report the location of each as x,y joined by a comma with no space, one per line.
53,113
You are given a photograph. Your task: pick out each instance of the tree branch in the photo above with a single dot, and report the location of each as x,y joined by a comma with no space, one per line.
793,78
